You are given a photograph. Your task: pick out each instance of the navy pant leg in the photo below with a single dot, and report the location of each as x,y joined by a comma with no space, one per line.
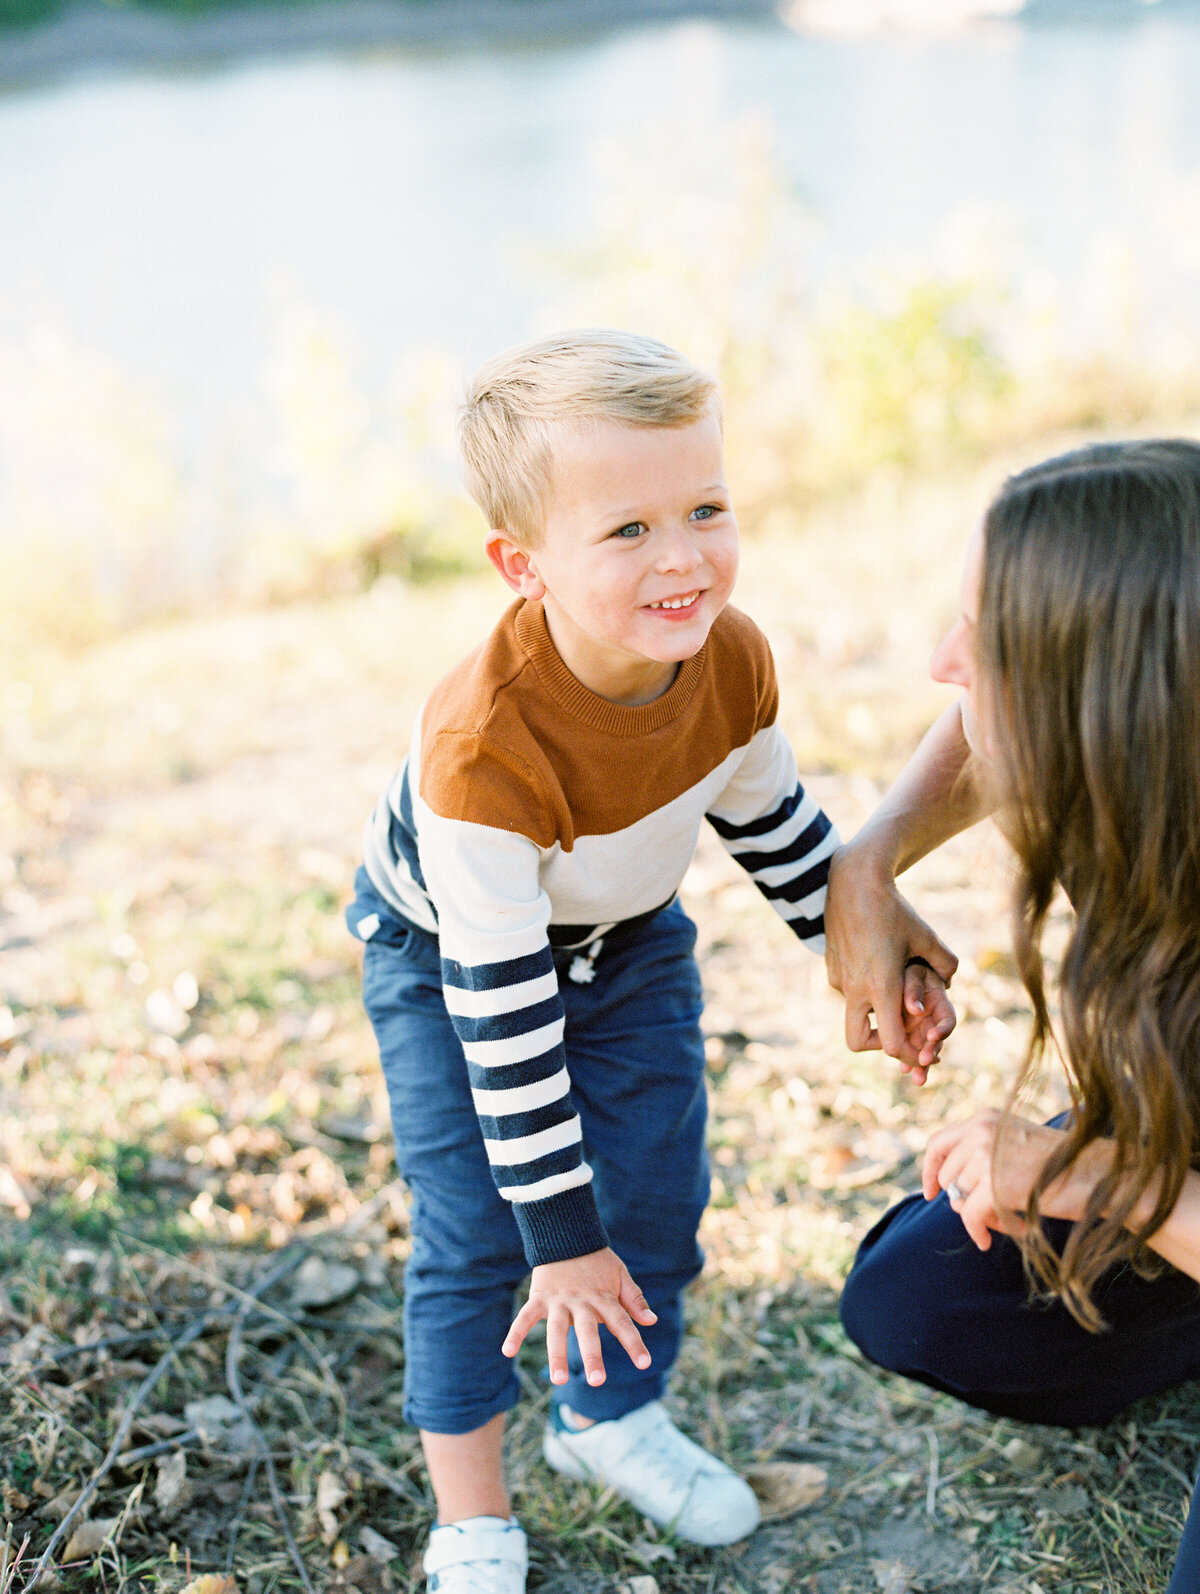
922,1300
467,1258
1186,1577
636,1057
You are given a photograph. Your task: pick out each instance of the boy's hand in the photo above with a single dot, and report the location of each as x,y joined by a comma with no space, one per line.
928,1015
583,1293
871,934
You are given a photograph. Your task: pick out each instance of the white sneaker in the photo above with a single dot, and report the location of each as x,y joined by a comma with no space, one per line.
480,1555
645,1458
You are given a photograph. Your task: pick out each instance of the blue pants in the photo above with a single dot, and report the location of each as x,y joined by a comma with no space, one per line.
636,1061
923,1301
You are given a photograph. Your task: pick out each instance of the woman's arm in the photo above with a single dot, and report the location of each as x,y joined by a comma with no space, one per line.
990,1163
871,931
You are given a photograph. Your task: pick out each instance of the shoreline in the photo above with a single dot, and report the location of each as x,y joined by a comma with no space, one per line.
90,36
99,36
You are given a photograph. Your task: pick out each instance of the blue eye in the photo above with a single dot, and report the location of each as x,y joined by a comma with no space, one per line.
705,512
631,531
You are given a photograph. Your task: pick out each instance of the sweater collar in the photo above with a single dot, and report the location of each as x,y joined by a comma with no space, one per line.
618,719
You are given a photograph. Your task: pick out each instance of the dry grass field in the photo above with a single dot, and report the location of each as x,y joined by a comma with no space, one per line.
201,1239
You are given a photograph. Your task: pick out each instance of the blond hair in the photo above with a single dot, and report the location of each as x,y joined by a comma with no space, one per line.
505,424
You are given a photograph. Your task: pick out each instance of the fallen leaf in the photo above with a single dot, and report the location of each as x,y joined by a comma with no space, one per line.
171,1491
376,1546
78,1259
785,1487
358,1131
644,1584
1019,1453
88,1537
27,1351
321,1283
211,1583
647,1553
340,1554
221,1425
331,1493
60,1504
162,1424
892,1577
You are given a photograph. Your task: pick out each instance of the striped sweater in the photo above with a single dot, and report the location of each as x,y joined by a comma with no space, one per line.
532,815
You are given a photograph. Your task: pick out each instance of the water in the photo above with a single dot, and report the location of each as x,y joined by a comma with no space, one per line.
419,200
159,217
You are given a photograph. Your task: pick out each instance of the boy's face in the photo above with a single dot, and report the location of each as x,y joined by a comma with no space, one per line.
638,552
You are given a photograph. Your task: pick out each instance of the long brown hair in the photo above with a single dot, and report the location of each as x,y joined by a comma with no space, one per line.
1089,660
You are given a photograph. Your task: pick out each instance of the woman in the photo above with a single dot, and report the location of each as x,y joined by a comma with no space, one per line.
1078,652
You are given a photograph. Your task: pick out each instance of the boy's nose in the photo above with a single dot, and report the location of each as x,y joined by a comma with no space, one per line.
678,550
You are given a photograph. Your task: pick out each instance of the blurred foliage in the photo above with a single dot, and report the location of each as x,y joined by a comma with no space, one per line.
24,13
322,481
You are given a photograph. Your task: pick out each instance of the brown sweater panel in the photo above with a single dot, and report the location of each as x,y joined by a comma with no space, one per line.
510,739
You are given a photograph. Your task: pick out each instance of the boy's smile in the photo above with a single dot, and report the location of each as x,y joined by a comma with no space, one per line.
638,552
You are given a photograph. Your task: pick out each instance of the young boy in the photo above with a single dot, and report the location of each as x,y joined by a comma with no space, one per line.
528,969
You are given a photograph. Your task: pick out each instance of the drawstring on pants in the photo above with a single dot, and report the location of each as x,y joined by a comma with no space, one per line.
583,969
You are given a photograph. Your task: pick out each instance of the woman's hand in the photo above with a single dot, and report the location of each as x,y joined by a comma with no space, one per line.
871,932
583,1293
989,1165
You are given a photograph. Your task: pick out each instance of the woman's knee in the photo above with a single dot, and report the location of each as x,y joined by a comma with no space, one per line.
921,1300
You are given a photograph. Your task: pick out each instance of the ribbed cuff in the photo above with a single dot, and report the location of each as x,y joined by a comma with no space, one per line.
561,1226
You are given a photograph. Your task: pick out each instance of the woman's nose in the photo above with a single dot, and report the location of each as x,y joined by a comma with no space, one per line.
951,661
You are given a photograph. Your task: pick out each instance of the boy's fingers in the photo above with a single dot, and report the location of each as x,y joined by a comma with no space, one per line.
557,1324
914,988
939,1010
588,1339
635,1303
522,1323
622,1327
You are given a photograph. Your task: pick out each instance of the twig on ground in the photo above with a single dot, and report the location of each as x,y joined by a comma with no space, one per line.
179,1441
319,1361
396,1483
931,1488
234,1381
141,1336
239,1514
141,1394
9,1568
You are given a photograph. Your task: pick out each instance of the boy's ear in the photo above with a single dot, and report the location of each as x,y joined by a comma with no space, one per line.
514,565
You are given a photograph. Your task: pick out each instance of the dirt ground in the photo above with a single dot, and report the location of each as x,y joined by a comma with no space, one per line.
201,1239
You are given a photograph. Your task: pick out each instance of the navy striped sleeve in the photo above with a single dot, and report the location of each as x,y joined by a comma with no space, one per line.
509,1017
786,852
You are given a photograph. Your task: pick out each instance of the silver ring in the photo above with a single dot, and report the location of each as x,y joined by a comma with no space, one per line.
954,1192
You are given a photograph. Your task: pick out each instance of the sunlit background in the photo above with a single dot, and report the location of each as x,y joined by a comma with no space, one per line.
238,297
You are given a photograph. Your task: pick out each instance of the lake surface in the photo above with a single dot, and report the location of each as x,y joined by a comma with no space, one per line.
426,199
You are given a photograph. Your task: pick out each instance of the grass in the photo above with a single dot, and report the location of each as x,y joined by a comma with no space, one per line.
191,1099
